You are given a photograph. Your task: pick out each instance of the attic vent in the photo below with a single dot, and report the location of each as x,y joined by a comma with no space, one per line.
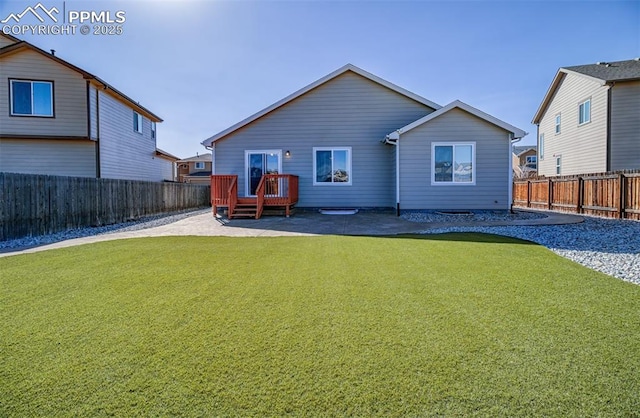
606,64
53,51
637,59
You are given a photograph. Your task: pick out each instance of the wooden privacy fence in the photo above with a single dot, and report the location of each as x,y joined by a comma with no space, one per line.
610,195
36,204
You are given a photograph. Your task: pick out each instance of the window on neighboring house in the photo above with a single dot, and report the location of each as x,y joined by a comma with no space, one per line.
31,98
541,146
557,123
584,112
153,130
558,164
200,166
137,122
332,166
532,161
453,163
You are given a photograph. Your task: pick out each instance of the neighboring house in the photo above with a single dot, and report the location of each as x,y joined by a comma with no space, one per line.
589,120
355,140
196,169
167,164
58,119
525,161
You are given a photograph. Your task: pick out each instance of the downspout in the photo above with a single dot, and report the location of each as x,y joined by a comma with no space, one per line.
212,148
98,163
393,139
608,159
511,141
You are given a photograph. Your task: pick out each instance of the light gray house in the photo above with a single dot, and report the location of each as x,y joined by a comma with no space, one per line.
589,120
355,140
57,119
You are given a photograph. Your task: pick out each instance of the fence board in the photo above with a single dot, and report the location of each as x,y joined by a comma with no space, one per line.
611,195
33,205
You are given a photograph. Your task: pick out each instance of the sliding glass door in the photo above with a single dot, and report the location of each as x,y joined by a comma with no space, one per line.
258,163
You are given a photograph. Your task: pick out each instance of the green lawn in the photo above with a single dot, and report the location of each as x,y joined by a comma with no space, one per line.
450,325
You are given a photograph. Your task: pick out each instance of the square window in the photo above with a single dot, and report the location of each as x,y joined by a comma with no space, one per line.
453,163
137,122
31,98
584,112
332,166
200,165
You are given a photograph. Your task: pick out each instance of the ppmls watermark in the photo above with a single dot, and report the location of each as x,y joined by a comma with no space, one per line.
69,22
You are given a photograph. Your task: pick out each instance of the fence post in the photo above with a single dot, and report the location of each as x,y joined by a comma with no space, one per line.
621,201
580,194
550,197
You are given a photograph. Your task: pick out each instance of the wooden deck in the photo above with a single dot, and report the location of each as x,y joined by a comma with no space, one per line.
273,191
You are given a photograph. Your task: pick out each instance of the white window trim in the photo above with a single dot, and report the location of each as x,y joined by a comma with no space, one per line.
349,165
32,114
453,183
140,122
278,152
540,147
528,161
559,165
199,168
580,112
153,130
558,124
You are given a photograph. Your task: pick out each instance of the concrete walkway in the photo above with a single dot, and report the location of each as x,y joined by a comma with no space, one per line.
301,224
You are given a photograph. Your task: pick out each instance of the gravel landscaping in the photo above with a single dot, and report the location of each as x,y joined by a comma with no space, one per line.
142,223
608,245
480,216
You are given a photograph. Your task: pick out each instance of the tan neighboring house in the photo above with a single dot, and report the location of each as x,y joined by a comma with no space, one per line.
525,161
196,169
58,119
589,120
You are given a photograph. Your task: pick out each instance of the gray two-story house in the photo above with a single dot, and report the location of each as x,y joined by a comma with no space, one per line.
589,120
58,119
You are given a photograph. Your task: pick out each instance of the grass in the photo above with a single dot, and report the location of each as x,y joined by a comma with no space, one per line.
450,325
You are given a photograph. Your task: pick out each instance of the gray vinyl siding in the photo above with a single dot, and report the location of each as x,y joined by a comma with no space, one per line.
583,148
93,109
348,111
625,126
492,148
124,153
58,157
69,92
165,168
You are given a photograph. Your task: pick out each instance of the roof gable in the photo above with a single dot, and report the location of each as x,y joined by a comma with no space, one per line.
21,46
312,86
517,133
602,72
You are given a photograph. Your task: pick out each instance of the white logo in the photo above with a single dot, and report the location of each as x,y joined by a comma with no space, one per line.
34,11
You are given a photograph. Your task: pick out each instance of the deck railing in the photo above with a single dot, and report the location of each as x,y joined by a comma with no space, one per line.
221,186
277,190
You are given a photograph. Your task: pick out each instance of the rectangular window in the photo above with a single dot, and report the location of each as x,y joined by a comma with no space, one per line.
153,130
532,159
541,146
453,163
200,166
584,112
557,123
31,98
558,164
332,166
137,122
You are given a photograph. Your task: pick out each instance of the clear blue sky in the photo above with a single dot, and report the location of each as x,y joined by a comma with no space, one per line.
205,65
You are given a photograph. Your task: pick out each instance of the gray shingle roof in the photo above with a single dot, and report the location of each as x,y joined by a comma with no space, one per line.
610,71
517,150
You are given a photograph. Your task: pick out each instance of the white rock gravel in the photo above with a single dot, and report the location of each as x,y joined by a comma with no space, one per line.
143,223
608,245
